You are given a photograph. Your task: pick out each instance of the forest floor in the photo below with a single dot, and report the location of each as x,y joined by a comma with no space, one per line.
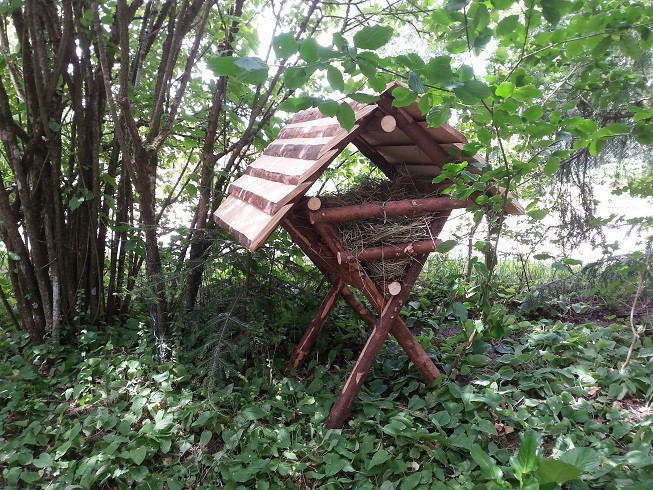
546,405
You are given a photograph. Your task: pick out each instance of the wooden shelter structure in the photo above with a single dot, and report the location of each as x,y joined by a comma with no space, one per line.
272,191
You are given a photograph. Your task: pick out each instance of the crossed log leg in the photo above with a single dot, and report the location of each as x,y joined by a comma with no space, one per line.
388,322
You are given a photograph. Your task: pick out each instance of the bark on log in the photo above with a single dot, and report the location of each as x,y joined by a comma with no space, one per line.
342,407
388,252
315,327
407,207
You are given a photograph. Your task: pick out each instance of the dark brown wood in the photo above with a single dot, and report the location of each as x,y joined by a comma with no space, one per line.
315,327
379,160
388,252
415,131
342,407
304,235
408,207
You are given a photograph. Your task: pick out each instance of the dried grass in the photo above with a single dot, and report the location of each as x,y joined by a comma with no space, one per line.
357,235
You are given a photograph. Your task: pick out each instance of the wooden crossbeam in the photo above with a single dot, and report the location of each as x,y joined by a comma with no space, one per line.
407,207
389,252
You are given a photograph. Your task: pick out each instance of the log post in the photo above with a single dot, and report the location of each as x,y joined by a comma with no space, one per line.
315,327
345,401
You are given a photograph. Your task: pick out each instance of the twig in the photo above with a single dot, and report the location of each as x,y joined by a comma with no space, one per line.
638,293
462,352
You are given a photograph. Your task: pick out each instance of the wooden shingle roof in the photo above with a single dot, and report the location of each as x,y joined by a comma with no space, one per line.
309,143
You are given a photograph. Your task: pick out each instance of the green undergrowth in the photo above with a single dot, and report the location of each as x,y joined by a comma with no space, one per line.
546,407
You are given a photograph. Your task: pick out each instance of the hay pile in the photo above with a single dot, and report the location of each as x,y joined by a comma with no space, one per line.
357,235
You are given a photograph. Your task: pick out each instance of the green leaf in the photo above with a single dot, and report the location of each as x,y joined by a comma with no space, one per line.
285,45
507,25
575,48
205,437
255,70
459,311
411,481
329,108
138,454
437,70
552,10
484,136
533,113
504,90
538,214
363,98
174,484
333,464
295,77
527,92
415,83
335,79
437,116
455,5
472,91
446,246
224,66
75,202
380,457
526,461
253,412
296,104
43,461
629,46
602,47
584,458
551,166
346,116
403,97
251,63
489,469
643,133
309,50
373,37
555,471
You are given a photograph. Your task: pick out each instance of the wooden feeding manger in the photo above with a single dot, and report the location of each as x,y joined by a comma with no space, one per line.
272,192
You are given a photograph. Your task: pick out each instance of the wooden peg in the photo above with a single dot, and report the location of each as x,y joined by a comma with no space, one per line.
388,124
394,288
314,203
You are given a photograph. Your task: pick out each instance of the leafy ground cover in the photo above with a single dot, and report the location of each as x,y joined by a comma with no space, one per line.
545,407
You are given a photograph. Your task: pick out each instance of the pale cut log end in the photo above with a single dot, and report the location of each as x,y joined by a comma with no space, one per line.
388,124
394,288
314,203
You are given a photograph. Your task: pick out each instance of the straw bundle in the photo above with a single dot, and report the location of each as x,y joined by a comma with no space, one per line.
357,235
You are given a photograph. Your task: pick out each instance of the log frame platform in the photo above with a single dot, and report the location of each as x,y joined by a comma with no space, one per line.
272,193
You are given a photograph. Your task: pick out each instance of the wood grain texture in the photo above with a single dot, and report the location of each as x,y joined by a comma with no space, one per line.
289,170
249,224
266,195
407,207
